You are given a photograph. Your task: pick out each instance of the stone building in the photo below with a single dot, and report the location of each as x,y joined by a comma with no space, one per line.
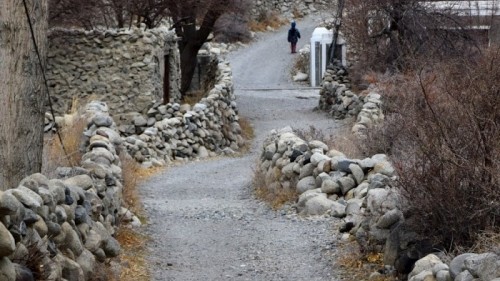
129,69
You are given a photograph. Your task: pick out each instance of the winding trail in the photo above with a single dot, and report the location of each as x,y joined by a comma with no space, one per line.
204,221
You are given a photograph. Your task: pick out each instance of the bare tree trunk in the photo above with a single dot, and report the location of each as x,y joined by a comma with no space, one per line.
22,93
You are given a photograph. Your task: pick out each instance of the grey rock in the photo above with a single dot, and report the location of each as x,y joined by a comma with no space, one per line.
389,218
102,120
93,241
26,196
30,217
346,184
7,243
305,184
23,273
87,262
317,205
472,263
357,173
83,181
425,275
330,186
111,247
457,265
71,270
8,204
7,270
464,276
338,210
81,215
443,275
489,268
306,171
425,264
318,144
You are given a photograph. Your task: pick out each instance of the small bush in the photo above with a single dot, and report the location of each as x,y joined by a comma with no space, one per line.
265,19
446,147
232,28
342,140
53,153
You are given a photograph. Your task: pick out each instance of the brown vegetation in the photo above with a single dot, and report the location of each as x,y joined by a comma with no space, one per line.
342,140
398,34
53,153
275,196
442,132
266,19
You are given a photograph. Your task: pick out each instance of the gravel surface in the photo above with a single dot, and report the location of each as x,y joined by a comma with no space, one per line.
205,223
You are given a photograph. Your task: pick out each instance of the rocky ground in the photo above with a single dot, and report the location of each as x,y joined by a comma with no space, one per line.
205,223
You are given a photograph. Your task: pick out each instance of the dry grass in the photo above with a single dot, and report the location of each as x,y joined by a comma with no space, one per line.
486,241
266,19
193,97
133,262
247,132
133,265
274,198
354,265
53,153
343,141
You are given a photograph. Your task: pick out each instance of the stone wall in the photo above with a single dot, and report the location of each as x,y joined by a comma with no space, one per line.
64,226
361,193
340,102
123,68
174,131
287,8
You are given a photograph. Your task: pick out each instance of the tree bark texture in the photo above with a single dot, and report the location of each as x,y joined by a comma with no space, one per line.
22,93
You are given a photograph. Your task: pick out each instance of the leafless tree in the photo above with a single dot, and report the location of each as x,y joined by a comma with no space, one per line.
395,33
22,96
194,21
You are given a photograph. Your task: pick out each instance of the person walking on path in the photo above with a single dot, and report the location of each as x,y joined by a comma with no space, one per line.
293,37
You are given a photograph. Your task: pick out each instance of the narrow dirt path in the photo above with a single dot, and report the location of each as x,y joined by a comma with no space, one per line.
205,222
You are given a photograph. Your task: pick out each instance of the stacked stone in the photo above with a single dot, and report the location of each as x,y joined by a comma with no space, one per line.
122,67
465,267
287,8
335,96
370,114
328,182
174,131
66,223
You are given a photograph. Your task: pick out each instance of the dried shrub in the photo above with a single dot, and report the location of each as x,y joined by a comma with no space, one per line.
342,140
35,260
398,34
134,266
266,19
233,26
277,196
447,150
247,132
71,134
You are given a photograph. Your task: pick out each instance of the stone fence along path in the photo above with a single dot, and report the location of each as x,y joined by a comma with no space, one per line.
205,223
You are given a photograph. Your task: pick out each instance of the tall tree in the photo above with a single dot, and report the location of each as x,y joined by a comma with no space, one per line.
22,93
193,22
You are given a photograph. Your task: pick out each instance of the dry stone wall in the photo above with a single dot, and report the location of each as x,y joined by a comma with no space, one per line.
340,102
361,192
287,8
64,227
124,68
173,131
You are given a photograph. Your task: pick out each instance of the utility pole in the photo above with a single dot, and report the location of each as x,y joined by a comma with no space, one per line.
338,24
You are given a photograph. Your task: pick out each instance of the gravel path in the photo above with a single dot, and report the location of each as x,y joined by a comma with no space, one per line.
205,222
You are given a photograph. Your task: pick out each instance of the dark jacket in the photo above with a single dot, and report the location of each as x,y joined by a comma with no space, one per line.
293,34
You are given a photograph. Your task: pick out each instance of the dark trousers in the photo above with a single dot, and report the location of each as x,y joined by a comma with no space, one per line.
293,47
